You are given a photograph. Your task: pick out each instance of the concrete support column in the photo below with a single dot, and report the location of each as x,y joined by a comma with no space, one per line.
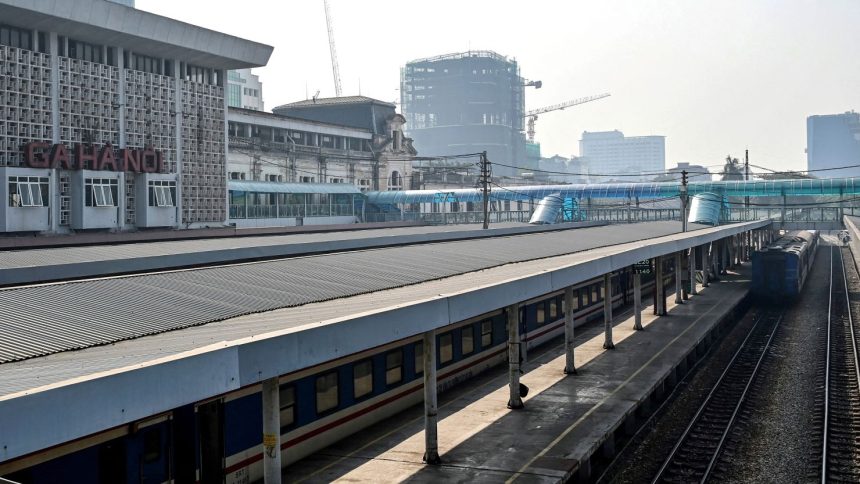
569,346
637,301
514,401
691,263
431,407
679,290
607,311
271,431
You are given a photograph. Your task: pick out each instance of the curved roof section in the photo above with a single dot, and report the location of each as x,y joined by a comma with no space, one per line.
110,23
735,188
332,101
275,187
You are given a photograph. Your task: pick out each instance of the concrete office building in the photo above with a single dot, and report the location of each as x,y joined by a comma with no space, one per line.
833,140
244,90
466,102
610,152
112,118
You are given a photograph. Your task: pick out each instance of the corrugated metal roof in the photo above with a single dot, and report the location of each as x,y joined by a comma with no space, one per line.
40,320
331,101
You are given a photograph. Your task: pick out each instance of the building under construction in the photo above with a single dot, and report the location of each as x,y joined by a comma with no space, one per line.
466,103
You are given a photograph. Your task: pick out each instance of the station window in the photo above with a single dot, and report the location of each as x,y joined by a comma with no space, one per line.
394,367
446,348
362,377
327,394
287,397
162,193
15,37
540,313
85,51
100,192
553,309
486,333
419,357
467,338
28,191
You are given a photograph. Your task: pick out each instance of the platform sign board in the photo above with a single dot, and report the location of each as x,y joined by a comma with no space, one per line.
642,267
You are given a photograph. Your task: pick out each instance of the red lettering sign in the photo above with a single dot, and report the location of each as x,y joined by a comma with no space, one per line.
41,154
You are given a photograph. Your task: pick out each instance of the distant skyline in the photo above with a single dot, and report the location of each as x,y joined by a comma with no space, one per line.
715,78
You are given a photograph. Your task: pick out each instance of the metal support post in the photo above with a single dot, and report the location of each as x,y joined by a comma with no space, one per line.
637,301
705,264
514,401
271,431
569,346
679,296
607,311
691,262
431,408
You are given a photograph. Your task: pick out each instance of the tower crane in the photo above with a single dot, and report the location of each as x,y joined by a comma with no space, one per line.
335,70
533,114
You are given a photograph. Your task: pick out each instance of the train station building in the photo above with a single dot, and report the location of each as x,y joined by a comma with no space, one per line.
112,118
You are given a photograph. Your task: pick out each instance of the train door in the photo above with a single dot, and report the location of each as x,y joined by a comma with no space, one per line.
184,460
210,427
152,443
774,274
112,461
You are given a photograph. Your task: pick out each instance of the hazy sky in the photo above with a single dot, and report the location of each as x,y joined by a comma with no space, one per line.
714,77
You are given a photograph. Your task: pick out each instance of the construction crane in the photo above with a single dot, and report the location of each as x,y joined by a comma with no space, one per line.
533,114
335,70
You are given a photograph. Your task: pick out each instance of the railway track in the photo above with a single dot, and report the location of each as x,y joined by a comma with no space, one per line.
840,456
695,454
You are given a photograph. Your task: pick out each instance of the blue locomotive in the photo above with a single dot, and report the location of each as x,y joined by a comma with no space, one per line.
780,270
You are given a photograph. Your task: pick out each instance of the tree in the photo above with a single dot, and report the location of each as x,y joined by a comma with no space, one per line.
732,170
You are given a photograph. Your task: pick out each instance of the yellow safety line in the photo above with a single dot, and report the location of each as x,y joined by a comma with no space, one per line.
607,397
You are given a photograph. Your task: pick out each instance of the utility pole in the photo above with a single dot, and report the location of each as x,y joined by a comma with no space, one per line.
683,200
747,178
485,188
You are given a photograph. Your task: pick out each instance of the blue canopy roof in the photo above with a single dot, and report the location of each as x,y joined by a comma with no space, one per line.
277,187
735,188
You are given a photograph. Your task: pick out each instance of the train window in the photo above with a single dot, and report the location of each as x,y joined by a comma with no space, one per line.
327,395
362,377
486,333
467,334
152,446
540,314
602,292
576,300
394,367
287,397
553,309
595,293
419,357
446,348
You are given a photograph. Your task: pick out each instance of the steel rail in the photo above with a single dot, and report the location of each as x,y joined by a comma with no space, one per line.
704,404
827,377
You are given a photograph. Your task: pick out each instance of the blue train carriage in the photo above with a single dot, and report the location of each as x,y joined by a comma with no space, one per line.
219,440
780,270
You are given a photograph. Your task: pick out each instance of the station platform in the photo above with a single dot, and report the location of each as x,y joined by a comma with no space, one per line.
568,420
